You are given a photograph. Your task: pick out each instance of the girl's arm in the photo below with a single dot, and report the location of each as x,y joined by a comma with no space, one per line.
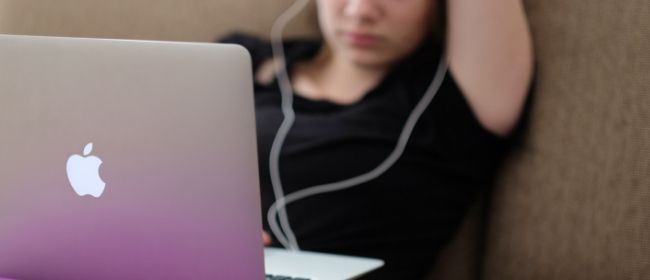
491,58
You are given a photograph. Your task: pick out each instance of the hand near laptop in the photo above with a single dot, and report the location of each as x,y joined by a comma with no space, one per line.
266,239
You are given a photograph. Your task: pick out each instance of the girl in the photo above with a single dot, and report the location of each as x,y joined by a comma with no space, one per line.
352,94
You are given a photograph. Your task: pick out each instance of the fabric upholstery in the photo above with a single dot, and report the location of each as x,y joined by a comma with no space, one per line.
187,20
573,202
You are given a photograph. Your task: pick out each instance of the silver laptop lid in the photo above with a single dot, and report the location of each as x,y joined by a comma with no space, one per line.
172,129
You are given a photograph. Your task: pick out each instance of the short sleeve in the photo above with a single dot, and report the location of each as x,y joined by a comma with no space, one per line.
464,138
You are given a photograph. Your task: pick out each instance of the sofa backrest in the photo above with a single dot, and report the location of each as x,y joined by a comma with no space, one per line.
574,201
176,20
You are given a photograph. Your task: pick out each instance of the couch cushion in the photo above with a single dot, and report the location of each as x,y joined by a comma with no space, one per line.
186,20
574,202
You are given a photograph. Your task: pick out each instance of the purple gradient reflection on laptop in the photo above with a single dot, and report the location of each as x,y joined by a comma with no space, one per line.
173,136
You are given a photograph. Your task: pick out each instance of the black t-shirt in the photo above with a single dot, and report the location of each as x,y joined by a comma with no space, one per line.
407,214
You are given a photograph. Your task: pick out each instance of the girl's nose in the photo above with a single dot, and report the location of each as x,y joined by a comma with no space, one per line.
362,10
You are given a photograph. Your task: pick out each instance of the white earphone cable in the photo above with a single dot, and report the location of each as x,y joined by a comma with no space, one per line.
289,241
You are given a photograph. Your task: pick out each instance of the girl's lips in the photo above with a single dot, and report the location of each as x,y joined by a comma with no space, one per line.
362,40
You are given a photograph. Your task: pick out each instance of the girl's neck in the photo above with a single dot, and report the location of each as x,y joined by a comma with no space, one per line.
334,78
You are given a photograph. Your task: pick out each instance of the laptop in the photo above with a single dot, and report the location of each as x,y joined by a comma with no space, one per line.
135,160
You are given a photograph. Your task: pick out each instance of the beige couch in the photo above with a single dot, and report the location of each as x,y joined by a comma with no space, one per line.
573,202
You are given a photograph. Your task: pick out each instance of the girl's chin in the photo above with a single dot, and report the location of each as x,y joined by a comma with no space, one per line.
370,60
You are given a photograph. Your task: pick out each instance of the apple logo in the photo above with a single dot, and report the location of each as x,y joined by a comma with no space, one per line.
83,173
